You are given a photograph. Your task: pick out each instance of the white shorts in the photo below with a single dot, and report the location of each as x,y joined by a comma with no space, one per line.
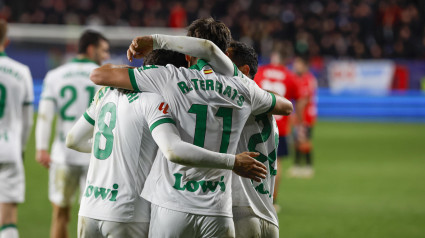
93,228
249,225
64,181
12,182
166,223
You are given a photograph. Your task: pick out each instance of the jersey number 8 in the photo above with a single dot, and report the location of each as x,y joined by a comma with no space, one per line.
105,130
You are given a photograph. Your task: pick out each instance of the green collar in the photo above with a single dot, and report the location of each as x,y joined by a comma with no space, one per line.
199,65
83,60
3,53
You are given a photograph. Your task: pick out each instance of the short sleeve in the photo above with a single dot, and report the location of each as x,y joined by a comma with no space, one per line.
261,100
150,78
156,110
29,89
48,90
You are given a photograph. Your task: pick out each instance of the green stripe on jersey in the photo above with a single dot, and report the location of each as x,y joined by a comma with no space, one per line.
7,226
161,121
83,60
235,73
88,118
133,79
273,102
199,65
3,53
48,98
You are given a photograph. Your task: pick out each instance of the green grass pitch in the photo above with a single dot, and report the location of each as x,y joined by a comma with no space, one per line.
369,182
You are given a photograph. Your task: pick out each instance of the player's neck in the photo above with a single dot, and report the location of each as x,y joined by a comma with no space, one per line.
2,48
83,56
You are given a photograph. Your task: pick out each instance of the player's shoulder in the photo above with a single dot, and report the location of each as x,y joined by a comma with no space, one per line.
148,99
102,93
16,64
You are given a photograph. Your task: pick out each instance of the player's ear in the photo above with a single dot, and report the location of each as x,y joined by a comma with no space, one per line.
90,51
188,57
244,69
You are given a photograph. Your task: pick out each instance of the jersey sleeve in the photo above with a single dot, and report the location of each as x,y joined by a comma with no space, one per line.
261,100
156,111
150,78
29,89
48,89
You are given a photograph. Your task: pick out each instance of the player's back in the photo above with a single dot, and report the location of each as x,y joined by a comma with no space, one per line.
210,111
69,86
15,90
122,155
260,134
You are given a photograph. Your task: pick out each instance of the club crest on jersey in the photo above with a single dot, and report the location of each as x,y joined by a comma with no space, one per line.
103,193
193,186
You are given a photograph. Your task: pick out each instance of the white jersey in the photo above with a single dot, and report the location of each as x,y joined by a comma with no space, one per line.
69,86
122,155
16,90
210,111
260,134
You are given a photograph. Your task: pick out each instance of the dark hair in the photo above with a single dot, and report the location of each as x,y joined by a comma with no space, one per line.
89,37
164,57
243,54
3,30
210,29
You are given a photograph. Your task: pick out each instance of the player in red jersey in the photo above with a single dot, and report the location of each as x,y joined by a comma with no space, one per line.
303,128
277,78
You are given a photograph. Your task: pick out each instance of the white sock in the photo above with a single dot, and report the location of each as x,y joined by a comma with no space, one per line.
9,231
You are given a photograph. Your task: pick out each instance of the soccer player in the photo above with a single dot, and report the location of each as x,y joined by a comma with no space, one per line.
279,79
16,118
303,145
124,151
68,91
253,211
209,108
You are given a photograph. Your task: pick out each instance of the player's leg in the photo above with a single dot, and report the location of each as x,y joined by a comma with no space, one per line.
268,229
282,152
88,227
246,223
215,226
308,151
12,192
112,229
63,184
8,220
168,223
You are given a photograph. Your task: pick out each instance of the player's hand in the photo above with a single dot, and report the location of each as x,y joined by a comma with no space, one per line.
43,157
248,167
140,47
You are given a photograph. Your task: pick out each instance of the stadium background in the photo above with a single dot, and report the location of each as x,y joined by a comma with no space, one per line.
369,153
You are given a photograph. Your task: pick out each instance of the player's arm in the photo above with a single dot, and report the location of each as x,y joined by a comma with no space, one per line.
268,102
27,122
27,110
112,75
80,137
282,107
46,112
176,150
200,48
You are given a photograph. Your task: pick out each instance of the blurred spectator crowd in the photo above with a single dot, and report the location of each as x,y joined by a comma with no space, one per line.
343,28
